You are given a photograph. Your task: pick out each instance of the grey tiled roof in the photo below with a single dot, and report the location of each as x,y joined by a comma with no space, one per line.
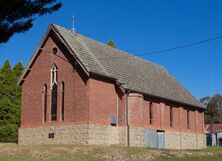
135,73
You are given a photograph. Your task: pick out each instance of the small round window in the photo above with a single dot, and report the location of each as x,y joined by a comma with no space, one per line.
54,50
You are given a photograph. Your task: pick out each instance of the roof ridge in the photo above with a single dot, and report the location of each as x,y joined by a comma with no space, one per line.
129,55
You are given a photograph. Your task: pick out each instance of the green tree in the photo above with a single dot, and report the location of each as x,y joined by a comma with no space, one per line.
18,68
18,15
213,114
10,100
111,43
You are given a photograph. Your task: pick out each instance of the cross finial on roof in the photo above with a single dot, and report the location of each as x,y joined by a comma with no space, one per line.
73,29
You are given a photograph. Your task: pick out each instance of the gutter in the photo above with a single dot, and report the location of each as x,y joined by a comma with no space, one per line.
102,75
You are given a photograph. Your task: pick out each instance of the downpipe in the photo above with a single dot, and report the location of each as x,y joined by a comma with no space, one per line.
127,120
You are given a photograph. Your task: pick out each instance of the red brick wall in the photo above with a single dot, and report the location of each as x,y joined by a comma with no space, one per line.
121,106
176,118
76,98
199,121
139,115
136,110
103,102
94,100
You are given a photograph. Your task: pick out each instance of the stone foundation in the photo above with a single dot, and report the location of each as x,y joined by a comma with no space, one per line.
68,134
74,134
137,137
105,135
175,140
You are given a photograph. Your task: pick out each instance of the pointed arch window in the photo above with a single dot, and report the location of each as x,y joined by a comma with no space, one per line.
54,77
171,116
45,102
151,112
63,101
188,119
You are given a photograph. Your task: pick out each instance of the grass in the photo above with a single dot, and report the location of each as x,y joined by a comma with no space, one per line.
208,158
13,152
12,158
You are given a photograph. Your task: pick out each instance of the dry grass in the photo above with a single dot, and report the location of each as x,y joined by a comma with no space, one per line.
13,152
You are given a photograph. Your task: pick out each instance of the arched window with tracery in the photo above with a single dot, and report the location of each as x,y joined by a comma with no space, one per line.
54,77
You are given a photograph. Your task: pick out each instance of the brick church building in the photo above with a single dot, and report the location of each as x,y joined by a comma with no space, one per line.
76,90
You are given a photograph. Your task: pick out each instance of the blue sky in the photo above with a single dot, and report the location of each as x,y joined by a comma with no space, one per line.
138,27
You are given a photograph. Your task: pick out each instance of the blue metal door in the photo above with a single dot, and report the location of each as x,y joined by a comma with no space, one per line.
160,139
151,138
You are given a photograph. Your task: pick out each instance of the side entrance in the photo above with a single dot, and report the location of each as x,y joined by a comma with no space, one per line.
154,138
